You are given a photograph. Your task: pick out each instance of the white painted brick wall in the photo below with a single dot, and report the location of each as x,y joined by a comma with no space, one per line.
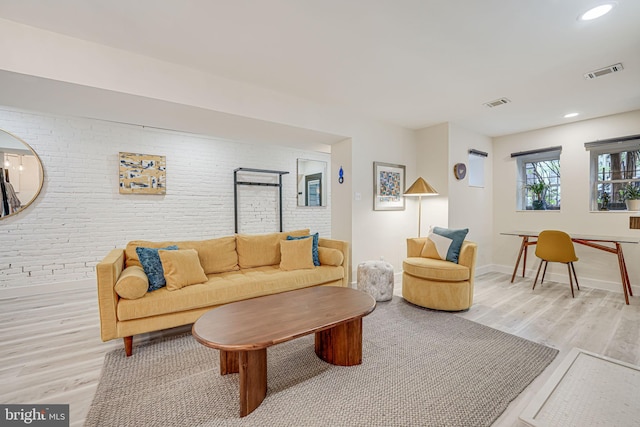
79,215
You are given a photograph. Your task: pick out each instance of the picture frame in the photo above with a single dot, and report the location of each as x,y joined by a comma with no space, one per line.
388,186
142,173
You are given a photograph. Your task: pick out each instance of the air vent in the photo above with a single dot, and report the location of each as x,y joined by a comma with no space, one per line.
497,102
604,71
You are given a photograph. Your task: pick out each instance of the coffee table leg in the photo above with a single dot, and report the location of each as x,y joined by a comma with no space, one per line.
342,344
253,379
229,362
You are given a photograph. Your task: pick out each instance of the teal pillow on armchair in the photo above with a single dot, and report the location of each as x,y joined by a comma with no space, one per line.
457,238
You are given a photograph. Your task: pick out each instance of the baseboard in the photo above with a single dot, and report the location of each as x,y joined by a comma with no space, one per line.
605,285
43,289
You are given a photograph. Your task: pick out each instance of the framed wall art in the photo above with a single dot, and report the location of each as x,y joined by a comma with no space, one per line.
142,174
388,187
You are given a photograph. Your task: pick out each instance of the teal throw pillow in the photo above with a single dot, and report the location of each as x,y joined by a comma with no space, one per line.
457,238
314,246
152,266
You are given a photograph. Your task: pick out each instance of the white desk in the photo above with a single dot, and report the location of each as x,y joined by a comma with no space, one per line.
582,239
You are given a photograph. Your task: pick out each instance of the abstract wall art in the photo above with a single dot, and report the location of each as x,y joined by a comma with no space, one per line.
388,187
142,174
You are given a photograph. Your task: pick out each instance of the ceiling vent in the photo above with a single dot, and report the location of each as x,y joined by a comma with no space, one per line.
497,102
604,71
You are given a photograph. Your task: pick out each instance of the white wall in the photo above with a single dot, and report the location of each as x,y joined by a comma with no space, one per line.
472,207
432,165
380,234
595,268
80,215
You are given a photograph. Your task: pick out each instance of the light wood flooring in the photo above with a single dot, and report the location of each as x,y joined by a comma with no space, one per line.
51,351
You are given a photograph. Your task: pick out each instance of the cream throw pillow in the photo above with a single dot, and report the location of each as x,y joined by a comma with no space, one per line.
181,268
436,247
296,254
132,283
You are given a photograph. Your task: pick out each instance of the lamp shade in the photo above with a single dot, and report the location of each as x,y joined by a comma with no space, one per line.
421,188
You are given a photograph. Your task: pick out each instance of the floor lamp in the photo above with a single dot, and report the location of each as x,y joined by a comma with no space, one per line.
420,188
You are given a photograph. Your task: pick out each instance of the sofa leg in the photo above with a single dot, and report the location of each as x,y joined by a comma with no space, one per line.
128,345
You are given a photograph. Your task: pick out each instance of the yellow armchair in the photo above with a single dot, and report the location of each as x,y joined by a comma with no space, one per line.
436,283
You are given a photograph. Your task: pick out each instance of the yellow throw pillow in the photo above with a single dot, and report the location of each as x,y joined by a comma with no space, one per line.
429,250
181,268
132,283
296,254
330,256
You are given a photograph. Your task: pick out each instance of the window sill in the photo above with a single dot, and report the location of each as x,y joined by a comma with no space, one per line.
617,212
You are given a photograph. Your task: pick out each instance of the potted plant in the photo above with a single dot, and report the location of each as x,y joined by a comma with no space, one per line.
631,196
538,189
603,201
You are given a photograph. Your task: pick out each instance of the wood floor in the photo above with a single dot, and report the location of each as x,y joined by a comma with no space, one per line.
51,351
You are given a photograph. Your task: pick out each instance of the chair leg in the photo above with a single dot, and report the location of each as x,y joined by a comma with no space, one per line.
574,275
536,279
546,263
570,279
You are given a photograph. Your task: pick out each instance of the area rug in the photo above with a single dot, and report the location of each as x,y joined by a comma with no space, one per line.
419,368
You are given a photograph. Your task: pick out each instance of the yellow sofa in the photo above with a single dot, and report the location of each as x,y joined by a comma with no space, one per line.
436,283
236,268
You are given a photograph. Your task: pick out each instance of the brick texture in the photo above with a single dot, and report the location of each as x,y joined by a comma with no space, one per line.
80,215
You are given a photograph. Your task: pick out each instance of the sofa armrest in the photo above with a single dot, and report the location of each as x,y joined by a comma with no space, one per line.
343,247
108,270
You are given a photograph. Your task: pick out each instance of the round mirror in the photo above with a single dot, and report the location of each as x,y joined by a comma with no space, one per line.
21,175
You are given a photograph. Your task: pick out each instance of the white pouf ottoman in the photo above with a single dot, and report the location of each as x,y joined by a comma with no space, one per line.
376,279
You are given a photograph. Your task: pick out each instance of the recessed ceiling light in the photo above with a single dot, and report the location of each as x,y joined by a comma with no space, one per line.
568,116
597,12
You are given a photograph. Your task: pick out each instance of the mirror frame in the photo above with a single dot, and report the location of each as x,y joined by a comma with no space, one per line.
40,170
323,183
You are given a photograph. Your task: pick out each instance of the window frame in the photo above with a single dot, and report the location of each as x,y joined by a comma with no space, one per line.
597,149
534,157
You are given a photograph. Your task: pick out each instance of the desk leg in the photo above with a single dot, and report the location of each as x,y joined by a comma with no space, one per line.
624,275
523,248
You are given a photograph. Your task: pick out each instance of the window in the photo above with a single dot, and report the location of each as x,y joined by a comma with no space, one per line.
538,179
614,165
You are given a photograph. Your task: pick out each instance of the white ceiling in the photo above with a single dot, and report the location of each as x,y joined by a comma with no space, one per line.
414,63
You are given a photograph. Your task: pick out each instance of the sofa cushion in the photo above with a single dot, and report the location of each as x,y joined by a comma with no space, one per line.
257,250
181,268
216,255
435,269
314,248
296,253
132,283
330,256
223,288
152,265
131,256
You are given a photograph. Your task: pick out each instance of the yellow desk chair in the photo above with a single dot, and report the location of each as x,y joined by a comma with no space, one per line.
556,246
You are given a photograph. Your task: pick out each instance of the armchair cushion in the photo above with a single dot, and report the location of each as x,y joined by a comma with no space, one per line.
435,269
